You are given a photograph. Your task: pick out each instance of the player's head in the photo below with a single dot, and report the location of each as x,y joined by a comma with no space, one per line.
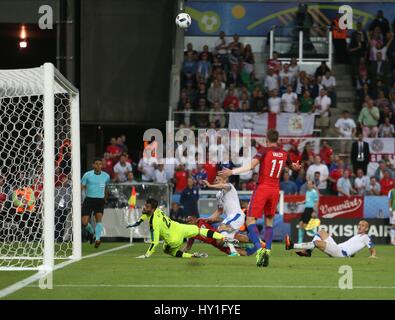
272,136
97,164
220,179
192,220
310,184
363,227
150,206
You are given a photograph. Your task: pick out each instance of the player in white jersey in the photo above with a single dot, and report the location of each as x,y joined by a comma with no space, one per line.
228,203
324,242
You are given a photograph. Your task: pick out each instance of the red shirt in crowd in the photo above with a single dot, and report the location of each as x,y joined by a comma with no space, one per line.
231,100
211,170
386,185
109,167
325,154
113,149
295,156
181,178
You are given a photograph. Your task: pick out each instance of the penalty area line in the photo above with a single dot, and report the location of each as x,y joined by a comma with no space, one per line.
41,274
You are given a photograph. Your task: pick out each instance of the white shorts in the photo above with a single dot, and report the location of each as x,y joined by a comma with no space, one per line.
235,222
332,249
392,218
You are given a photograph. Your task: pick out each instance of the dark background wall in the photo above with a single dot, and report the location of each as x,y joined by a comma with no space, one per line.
126,56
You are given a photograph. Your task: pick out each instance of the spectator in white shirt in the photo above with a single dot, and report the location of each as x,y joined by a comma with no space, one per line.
317,166
122,169
171,163
274,102
379,47
293,67
322,104
286,73
329,83
160,174
147,167
346,128
216,92
361,183
290,101
271,80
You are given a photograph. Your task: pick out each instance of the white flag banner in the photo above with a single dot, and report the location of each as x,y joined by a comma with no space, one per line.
257,123
287,124
381,145
293,124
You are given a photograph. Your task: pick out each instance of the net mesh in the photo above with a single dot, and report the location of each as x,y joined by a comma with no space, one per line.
21,175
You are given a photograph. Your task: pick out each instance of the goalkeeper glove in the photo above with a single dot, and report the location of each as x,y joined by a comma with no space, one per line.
144,256
134,225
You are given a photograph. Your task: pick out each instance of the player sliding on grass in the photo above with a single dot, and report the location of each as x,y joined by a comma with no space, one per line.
324,242
219,244
264,200
172,232
228,203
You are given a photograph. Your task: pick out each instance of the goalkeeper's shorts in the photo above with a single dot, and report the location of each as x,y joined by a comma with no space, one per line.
176,240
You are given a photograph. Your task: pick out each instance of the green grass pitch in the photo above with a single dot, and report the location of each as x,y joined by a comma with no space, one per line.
118,275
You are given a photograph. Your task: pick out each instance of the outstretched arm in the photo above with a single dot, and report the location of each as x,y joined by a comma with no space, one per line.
220,186
215,216
228,172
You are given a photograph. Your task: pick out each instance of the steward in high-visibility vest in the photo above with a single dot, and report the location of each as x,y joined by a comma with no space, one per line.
339,41
337,32
24,200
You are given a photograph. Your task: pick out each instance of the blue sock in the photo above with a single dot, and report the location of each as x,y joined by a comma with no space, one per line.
98,230
253,235
268,237
300,235
89,228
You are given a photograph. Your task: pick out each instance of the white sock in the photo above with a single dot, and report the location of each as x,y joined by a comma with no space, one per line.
304,245
392,234
316,237
230,245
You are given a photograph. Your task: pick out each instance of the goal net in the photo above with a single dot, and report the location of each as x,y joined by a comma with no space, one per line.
40,170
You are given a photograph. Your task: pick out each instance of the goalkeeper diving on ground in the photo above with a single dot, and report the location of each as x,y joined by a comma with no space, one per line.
172,232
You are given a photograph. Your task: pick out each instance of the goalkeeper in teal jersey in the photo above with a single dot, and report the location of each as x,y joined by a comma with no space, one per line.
172,232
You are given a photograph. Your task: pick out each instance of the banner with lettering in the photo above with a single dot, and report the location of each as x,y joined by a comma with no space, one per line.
287,124
340,207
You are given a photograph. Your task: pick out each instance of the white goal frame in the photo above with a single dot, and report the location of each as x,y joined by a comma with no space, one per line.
53,80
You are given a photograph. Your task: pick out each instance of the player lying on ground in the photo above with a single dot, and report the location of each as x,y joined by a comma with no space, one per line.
228,203
264,200
324,242
219,244
172,232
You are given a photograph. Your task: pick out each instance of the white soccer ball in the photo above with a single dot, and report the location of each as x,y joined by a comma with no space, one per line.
183,20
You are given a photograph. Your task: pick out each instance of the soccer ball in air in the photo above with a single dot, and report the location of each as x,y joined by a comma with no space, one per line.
183,20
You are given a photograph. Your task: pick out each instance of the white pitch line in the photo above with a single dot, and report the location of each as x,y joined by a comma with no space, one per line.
209,286
41,274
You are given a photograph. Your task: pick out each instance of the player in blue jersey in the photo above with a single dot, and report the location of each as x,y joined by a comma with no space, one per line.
94,183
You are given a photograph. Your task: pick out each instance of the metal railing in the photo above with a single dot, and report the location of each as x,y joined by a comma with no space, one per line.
281,39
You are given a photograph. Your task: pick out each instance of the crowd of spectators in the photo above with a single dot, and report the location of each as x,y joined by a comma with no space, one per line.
224,80
372,61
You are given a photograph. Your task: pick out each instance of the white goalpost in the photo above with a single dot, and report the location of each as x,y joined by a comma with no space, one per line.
40,213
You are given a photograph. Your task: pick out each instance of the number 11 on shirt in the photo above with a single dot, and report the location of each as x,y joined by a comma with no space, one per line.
274,164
